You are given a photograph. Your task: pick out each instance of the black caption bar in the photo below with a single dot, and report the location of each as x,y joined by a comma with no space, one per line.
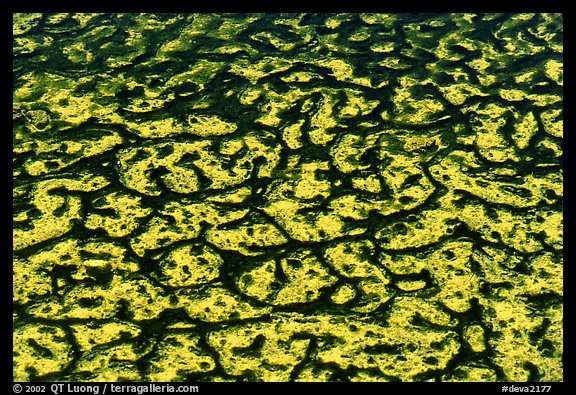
265,388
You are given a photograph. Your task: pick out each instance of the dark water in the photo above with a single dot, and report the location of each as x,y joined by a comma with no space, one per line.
288,197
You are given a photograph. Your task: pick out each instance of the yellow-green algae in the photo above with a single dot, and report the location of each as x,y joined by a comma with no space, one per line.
288,197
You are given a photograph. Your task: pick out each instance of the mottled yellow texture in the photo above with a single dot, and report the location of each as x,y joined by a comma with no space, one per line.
288,197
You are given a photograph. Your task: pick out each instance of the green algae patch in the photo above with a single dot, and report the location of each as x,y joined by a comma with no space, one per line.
288,197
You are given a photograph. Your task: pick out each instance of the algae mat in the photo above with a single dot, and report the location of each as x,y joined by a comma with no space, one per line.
287,197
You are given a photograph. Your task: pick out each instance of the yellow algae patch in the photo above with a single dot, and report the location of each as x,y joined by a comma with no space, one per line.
370,183
449,268
356,104
186,224
394,64
297,278
551,122
383,48
90,260
258,148
347,153
307,227
259,352
217,304
552,147
38,121
515,348
550,276
175,165
274,40
515,95
157,233
334,21
406,307
292,135
362,34
521,233
273,107
343,294
247,239
525,129
306,278
237,195
39,350
398,350
269,351
37,168
253,71
179,355
119,363
457,94
204,125
57,213
300,76
352,260
525,77
77,53
259,282
127,211
144,301
314,374
490,140
89,336
384,20
512,94
23,22
471,373
188,265
411,109
29,282
417,143
30,45
407,181
352,206
157,128
84,18
511,190
411,285
429,227
555,71
475,337
58,94
322,121
136,166
544,100
97,302
308,186
199,74
343,71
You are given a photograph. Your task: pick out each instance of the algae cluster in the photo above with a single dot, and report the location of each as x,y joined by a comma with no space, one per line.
287,197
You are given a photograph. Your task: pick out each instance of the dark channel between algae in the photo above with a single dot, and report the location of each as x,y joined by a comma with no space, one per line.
282,197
